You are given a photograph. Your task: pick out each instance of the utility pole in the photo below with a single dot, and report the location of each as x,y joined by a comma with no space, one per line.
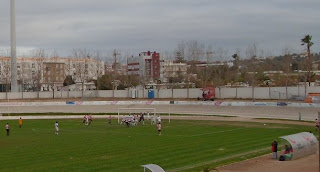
115,53
14,82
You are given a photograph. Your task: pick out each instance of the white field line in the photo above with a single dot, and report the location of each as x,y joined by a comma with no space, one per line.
164,117
202,134
224,131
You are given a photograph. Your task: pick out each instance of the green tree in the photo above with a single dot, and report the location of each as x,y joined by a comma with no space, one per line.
105,82
261,77
68,80
132,80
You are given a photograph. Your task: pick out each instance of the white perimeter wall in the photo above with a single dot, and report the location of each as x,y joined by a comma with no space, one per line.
264,92
221,93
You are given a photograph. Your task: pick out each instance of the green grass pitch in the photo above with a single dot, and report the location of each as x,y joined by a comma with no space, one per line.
183,145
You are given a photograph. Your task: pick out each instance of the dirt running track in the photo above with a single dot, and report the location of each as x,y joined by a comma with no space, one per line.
250,112
266,164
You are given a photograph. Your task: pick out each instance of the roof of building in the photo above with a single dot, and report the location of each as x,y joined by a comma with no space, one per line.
153,167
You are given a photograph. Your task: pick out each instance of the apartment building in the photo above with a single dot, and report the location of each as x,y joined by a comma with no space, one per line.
51,71
121,69
169,69
146,65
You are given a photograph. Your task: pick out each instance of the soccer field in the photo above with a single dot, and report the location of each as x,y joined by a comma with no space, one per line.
183,145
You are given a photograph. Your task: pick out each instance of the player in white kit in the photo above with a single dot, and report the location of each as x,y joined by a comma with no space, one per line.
56,126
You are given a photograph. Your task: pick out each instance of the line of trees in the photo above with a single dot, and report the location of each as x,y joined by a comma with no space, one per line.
248,68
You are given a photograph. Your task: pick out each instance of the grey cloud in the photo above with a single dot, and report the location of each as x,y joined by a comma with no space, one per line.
151,24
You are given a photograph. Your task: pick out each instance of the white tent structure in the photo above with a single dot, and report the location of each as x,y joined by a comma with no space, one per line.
303,144
152,167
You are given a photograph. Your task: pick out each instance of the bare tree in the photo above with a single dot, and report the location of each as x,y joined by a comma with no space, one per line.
220,70
55,53
209,54
252,51
286,66
23,73
221,54
252,55
168,55
97,55
81,56
37,78
194,50
6,74
54,73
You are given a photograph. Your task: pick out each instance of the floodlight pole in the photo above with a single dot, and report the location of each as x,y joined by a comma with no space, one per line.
318,140
14,82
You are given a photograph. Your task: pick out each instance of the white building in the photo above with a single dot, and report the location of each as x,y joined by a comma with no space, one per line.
217,63
169,69
32,71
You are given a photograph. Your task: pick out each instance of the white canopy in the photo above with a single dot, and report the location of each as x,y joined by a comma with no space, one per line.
303,144
153,167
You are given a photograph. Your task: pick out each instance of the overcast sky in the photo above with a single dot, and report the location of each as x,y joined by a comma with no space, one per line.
158,25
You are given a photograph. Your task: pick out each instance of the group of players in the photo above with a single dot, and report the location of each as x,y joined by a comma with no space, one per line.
8,126
129,120
87,120
135,119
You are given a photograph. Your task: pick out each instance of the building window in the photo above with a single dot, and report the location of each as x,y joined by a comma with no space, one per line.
33,65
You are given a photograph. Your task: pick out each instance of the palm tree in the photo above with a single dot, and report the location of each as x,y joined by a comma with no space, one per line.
236,58
307,41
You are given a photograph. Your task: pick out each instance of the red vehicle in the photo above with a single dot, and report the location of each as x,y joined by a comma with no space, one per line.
208,93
